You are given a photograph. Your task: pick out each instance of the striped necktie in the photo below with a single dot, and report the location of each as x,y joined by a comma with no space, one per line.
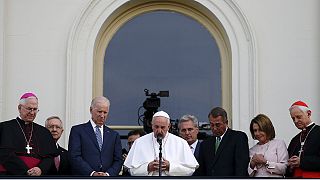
57,162
99,137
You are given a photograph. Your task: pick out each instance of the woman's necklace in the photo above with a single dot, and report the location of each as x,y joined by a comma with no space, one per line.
303,142
28,147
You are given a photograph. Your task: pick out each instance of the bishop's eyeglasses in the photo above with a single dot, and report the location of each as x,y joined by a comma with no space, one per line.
35,110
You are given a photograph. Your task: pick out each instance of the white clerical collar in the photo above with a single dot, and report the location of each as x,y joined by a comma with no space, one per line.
305,128
23,120
310,124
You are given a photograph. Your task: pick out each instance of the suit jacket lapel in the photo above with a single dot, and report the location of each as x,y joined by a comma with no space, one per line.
106,132
210,151
91,134
223,143
196,151
61,158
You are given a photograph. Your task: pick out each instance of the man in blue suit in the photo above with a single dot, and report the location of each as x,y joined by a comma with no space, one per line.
95,149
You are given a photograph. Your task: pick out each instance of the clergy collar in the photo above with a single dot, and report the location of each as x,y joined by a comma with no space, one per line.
22,121
309,126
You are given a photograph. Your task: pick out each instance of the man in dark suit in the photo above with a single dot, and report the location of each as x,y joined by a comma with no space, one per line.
95,149
188,130
227,152
61,164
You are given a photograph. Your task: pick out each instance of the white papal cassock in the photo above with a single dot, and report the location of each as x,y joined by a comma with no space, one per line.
174,149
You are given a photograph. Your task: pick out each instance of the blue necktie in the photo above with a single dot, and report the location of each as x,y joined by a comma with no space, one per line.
99,137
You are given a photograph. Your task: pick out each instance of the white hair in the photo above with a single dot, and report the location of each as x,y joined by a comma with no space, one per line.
188,117
99,99
24,100
53,117
302,108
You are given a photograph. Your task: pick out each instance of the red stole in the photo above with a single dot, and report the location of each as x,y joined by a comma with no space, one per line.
29,161
299,173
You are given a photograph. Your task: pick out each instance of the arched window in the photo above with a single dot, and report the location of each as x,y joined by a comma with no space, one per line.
162,50
100,21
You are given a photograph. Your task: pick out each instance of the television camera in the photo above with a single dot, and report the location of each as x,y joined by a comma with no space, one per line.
151,105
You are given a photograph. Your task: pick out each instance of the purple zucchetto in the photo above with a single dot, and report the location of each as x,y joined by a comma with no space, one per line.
27,95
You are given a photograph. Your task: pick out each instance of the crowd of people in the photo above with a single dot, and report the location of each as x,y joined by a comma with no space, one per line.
29,149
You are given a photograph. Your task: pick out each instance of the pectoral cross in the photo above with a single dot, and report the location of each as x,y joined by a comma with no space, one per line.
301,149
28,148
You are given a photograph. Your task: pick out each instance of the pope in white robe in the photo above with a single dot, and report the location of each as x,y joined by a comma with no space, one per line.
177,157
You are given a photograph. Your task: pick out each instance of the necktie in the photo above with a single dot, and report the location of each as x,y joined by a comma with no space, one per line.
57,162
192,149
218,139
99,137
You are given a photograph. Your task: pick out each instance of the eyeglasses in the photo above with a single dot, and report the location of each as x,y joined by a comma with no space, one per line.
31,109
54,126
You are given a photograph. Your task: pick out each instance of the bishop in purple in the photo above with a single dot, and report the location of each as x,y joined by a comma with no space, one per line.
26,148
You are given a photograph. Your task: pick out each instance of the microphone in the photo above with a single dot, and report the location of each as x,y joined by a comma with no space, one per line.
159,139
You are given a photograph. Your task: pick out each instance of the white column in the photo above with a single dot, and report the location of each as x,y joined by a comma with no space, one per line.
2,31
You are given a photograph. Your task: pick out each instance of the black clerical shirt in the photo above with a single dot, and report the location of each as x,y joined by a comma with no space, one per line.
13,144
